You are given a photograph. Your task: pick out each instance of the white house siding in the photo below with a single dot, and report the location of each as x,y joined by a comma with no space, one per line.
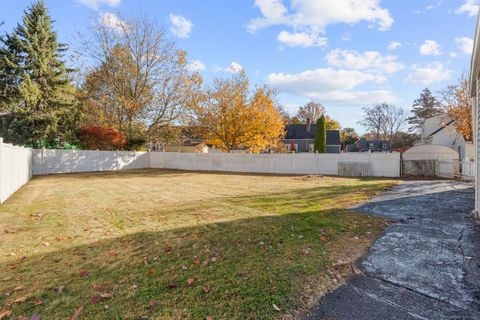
475,94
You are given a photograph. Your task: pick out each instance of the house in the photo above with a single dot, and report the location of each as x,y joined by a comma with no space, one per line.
302,137
440,130
475,95
369,146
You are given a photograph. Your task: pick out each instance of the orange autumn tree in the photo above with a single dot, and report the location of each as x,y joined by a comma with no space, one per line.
236,117
458,105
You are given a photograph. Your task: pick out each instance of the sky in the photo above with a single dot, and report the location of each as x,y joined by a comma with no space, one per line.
345,54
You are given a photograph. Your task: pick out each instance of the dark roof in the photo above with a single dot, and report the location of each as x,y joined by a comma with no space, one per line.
299,132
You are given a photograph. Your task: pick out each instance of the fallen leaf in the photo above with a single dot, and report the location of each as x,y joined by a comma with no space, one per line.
167,248
206,289
19,288
96,286
197,261
323,238
106,295
60,288
77,313
209,318
96,299
171,285
4,313
276,307
150,272
190,282
21,299
132,287
154,304
38,302
35,316
84,273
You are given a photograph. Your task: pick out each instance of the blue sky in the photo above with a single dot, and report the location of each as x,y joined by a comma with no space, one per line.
345,54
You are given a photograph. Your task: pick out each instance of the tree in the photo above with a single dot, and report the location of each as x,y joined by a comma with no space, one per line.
237,118
141,81
458,105
348,136
426,106
311,110
404,140
320,144
101,138
35,85
383,120
331,124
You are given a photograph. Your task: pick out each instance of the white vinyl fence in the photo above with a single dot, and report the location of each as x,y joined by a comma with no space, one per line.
51,161
468,170
15,168
348,164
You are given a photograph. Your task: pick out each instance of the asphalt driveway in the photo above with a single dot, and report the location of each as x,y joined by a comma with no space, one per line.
425,266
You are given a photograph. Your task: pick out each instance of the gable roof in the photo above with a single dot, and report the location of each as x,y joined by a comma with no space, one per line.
441,128
299,132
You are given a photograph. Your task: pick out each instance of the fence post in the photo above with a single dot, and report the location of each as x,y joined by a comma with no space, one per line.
96,161
43,160
293,162
1,165
117,165
71,160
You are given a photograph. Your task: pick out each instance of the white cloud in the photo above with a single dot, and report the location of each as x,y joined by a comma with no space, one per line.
301,39
430,48
112,21
428,74
95,4
465,44
197,65
368,60
453,54
469,7
235,67
331,85
180,26
312,17
394,45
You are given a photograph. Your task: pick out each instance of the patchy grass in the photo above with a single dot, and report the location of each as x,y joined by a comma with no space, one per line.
170,244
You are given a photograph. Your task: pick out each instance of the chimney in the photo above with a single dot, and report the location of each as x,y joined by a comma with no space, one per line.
308,125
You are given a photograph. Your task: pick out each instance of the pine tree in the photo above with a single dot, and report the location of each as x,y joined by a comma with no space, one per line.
426,106
35,88
320,144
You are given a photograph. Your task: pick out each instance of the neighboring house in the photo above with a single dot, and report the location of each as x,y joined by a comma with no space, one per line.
302,138
369,146
440,130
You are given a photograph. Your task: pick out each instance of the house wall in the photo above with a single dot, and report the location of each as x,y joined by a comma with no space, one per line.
15,168
304,145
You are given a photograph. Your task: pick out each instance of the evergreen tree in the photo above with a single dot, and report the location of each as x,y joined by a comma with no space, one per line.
320,144
426,106
35,85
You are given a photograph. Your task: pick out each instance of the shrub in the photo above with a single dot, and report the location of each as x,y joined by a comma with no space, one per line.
101,138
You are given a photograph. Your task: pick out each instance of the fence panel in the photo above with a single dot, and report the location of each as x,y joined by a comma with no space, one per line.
15,168
380,165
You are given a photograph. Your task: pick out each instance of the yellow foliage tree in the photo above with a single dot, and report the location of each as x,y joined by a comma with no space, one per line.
237,118
331,124
458,105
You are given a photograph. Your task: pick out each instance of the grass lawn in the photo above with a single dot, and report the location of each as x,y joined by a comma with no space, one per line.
157,244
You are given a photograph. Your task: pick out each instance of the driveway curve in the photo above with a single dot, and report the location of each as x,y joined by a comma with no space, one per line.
426,265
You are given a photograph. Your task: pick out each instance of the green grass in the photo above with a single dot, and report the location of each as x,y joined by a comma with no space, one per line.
246,241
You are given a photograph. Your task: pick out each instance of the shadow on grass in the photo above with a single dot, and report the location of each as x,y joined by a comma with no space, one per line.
239,269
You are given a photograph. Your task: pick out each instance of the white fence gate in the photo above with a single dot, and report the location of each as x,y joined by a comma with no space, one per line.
15,168
468,170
